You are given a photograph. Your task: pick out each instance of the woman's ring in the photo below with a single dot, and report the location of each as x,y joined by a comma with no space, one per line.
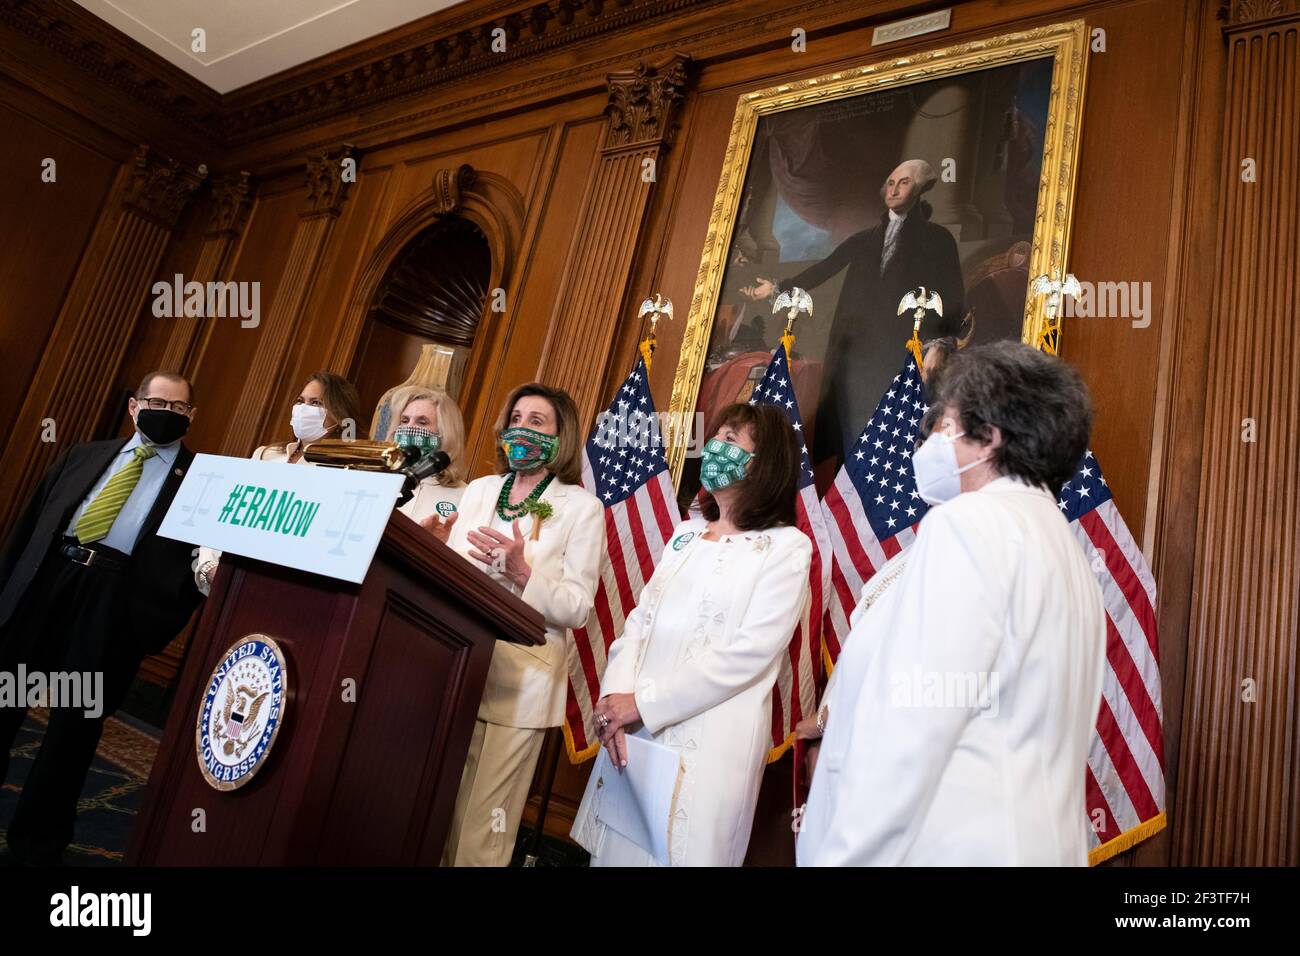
603,719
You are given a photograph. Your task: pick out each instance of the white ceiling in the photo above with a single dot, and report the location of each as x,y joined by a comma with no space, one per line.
248,40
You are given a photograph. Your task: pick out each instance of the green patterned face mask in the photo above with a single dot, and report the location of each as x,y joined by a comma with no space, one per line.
422,438
722,464
528,450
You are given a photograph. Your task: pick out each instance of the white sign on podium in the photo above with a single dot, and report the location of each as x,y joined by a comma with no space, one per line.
324,520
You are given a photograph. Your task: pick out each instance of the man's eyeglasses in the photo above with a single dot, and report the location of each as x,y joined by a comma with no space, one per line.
181,408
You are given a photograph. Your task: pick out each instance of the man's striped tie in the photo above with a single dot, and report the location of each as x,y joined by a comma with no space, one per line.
103,511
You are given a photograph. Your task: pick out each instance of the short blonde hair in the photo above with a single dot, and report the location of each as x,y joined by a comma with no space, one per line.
567,465
451,426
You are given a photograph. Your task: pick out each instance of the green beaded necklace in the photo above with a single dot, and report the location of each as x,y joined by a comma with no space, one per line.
508,512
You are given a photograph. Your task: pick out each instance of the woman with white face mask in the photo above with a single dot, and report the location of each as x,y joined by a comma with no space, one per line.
327,407
963,705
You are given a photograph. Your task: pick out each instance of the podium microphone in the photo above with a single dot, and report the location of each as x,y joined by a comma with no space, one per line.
419,468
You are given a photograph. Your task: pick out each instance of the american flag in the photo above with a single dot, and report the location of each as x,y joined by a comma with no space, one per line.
796,680
872,509
1125,780
623,465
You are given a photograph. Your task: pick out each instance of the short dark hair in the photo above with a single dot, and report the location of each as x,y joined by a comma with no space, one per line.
567,463
1039,403
766,495
143,390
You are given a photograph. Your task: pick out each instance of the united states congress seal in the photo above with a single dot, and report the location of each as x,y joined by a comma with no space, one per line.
241,712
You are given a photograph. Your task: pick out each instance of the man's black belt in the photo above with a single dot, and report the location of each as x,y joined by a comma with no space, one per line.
94,555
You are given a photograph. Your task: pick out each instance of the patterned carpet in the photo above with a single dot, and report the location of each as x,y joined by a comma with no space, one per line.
107,809
113,788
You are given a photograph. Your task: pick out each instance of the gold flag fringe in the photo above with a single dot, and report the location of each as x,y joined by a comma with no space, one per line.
1127,840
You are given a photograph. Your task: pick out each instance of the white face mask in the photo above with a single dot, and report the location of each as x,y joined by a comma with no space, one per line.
308,422
938,479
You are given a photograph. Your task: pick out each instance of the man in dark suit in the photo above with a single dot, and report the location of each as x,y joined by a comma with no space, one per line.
87,586
904,251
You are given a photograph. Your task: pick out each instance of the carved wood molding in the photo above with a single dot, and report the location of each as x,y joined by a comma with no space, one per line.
448,185
230,204
454,48
644,101
419,62
1249,13
159,187
326,187
84,40
496,207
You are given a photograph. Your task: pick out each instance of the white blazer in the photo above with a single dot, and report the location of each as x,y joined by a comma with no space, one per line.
714,704
997,608
768,588
526,685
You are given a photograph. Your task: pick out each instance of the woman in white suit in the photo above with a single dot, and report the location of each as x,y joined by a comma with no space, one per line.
324,408
698,658
958,725
430,420
540,534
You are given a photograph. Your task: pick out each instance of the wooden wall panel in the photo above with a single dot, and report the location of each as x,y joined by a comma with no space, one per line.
1180,373
1240,789
46,227
152,332
92,335
642,111
259,258
1115,357
326,298
520,334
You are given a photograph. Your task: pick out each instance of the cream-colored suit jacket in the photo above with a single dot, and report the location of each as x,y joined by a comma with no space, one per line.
526,685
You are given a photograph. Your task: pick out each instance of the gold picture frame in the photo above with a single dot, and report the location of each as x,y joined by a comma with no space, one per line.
1066,43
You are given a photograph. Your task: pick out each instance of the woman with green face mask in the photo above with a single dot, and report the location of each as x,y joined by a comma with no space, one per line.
695,665
537,531
429,420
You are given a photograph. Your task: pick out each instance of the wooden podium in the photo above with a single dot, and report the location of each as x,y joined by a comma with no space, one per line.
369,782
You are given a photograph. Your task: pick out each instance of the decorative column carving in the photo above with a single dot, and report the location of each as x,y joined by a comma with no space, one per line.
449,186
75,378
1238,793
260,399
230,204
642,111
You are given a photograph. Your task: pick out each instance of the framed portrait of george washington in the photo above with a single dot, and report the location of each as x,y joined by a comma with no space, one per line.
950,169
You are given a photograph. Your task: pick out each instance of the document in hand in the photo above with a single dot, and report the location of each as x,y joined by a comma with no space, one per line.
636,802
